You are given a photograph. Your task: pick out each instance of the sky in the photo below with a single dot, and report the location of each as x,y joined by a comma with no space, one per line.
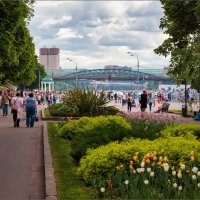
98,33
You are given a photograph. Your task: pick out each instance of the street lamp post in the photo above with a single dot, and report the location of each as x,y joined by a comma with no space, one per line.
138,65
76,68
39,78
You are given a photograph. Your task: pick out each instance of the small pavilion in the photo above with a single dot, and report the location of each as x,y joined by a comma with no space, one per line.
47,84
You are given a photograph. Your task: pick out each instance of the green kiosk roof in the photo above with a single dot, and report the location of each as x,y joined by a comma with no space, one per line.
47,79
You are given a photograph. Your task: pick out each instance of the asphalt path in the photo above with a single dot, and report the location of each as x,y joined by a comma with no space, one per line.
21,161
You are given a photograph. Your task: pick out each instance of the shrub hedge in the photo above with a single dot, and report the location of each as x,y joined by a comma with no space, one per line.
94,132
181,130
105,160
61,110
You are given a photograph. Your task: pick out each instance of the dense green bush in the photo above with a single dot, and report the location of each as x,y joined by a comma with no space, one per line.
111,110
86,101
182,130
75,127
94,132
105,160
147,130
61,110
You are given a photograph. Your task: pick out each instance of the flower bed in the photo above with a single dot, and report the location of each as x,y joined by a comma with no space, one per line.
104,160
153,179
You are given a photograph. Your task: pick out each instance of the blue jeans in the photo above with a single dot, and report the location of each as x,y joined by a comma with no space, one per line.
30,117
5,109
150,106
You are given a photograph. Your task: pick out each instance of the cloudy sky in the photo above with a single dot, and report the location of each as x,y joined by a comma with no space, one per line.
99,33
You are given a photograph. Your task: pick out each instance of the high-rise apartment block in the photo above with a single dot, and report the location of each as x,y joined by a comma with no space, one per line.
50,58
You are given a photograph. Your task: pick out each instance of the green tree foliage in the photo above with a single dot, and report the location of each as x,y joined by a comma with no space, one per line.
17,51
181,24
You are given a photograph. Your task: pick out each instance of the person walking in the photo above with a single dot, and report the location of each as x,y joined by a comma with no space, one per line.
16,106
31,110
150,101
5,103
143,101
129,102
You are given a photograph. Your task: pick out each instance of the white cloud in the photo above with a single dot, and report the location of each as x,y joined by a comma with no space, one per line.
53,21
98,33
66,33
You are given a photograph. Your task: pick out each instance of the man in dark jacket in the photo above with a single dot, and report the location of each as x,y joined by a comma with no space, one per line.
143,101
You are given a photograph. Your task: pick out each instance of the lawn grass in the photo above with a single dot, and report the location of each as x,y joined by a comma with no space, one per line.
69,184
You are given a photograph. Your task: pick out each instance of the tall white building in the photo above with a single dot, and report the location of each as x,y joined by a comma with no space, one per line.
50,58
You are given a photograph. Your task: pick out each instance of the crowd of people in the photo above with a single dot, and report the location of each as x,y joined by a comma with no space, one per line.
151,99
21,102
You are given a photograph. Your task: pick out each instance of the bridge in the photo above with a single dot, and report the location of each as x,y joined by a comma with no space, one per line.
111,74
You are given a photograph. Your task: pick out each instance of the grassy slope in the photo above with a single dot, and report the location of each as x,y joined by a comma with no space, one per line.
69,184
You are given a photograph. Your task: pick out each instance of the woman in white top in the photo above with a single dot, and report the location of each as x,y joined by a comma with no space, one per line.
16,104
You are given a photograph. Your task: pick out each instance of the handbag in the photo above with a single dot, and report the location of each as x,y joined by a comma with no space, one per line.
36,118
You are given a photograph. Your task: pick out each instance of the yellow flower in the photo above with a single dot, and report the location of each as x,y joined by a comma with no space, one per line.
147,161
131,167
187,171
160,158
159,163
147,156
192,158
154,158
131,162
192,153
137,153
135,158
165,159
154,153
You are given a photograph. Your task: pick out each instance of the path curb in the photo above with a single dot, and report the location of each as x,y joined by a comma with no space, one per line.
50,185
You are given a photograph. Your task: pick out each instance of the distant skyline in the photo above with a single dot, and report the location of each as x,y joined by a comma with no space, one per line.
99,33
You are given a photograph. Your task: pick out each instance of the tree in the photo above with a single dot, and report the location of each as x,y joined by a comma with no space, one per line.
181,23
17,50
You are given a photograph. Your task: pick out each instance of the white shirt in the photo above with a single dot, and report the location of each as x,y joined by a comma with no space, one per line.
17,102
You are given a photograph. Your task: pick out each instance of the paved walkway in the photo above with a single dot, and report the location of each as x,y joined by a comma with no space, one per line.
21,161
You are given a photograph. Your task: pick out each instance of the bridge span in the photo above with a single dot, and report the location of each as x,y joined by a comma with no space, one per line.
111,74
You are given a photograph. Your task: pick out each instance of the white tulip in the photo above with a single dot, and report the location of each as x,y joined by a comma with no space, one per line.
166,166
151,174
180,187
148,169
198,173
126,182
138,170
175,185
174,173
146,182
194,170
179,175
142,169
198,185
182,167
142,164
194,177
102,190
